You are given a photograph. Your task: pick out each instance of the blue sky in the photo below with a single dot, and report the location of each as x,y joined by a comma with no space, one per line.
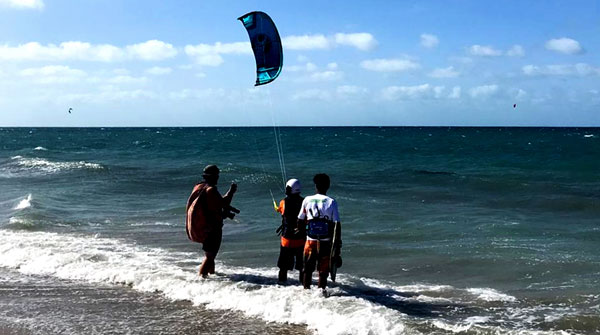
189,63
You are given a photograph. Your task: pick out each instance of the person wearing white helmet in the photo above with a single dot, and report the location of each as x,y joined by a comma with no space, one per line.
292,234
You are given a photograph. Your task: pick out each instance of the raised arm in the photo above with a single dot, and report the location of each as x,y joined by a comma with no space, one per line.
229,195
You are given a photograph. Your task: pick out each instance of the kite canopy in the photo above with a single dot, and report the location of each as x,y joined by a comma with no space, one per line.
266,45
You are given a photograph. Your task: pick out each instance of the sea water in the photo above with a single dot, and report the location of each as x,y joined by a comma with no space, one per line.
445,231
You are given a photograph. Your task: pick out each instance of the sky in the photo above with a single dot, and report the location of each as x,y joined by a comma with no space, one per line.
346,63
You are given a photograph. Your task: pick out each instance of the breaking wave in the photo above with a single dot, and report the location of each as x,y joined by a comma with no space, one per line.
46,166
354,305
25,203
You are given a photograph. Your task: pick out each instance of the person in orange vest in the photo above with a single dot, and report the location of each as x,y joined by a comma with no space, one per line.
206,209
293,235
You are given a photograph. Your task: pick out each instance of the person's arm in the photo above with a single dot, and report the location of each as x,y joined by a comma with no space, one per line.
281,208
229,195
214,204
302,213
336,219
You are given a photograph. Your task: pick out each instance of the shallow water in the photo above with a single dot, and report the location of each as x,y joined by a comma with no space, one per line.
469,230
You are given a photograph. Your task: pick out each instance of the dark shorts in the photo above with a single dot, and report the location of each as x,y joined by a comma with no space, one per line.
212,243
288,257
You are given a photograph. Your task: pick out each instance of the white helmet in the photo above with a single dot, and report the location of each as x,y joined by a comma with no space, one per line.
294,185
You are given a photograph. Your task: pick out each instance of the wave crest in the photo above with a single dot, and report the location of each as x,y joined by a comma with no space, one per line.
47,166
25,203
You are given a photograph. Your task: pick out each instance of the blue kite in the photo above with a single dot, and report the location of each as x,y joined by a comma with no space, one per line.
266,45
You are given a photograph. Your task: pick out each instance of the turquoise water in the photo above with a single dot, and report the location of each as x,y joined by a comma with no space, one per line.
473,230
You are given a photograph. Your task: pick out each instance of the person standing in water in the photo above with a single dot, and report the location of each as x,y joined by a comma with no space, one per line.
206,209
320,214
293,235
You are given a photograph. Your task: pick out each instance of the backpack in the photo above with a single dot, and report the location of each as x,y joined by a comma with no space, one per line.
195,223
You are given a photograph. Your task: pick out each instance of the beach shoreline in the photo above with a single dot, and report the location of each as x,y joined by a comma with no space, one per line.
44,305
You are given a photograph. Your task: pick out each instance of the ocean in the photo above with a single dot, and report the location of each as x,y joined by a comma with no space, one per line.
445,231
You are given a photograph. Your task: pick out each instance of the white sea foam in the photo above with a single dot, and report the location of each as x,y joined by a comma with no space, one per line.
25,203
157,223
17,220
251,291
474,326
47,166
40,148
489,294
588,135
455,328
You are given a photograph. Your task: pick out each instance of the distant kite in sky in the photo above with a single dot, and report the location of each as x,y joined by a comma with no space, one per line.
266,45
70,109
515,106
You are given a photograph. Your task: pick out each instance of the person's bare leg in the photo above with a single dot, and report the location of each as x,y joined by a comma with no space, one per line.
282,275
307,279
208,264
323,279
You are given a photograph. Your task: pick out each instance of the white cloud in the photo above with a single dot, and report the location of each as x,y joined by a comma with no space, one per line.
308,67
389,65
311,67
306,42
124,79
53,74
158,71
518,94
52,71
332,66
564,45
210,55
209,60
310,72
302,59
455,94
202,94
438,91
424,91
579,69
429,40
219,48
109,94
350,90
361,41
312,94
483,91
73,50
83,51
121,72
326,76
483,50
448,72
22,4
516,51
151,50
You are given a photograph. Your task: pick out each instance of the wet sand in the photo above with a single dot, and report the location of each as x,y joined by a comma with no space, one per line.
40,305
